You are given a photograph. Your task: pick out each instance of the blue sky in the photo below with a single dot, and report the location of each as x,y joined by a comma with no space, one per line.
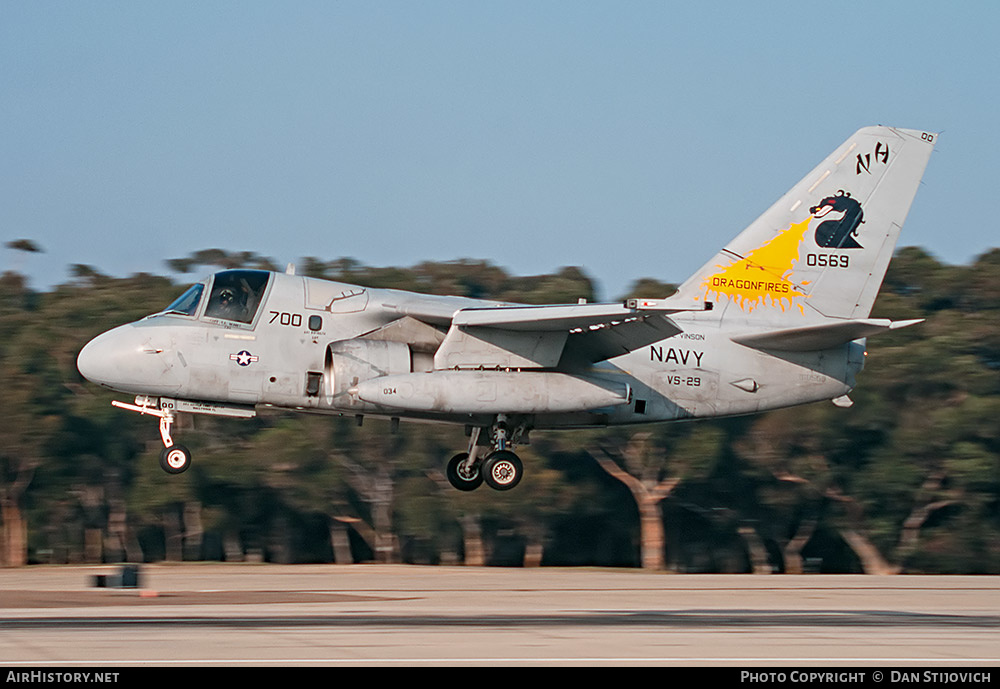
631,139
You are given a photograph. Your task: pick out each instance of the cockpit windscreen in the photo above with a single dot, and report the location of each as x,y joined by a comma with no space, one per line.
187,303
236,295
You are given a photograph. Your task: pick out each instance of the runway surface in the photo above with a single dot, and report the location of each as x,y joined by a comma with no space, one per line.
257,614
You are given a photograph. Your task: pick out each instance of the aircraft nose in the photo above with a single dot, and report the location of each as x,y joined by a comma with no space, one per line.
125,359
96,360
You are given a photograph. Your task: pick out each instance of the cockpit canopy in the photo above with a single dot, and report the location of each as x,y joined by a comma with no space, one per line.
235,296
187,303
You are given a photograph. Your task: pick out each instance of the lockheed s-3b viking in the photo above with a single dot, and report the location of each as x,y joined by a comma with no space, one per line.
778,317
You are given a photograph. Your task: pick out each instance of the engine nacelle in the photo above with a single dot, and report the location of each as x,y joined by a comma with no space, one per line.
350,362
483,392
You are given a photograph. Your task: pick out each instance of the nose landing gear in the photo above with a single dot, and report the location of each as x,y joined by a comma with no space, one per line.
174,458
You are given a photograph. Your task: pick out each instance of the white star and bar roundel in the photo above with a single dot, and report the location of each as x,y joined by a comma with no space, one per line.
243,358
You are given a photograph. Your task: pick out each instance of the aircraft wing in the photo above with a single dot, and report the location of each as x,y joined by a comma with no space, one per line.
542,336
558,317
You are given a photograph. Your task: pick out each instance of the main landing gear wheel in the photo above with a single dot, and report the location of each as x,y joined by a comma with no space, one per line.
175,459
502,470
460,477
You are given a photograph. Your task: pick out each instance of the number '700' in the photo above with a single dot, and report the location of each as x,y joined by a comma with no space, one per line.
284,318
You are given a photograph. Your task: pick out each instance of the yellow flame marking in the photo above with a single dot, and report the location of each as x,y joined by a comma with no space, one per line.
762,277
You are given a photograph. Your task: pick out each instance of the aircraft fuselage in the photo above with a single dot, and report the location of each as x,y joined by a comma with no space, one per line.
289,353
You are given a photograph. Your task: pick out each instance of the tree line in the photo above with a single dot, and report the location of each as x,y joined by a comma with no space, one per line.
906,480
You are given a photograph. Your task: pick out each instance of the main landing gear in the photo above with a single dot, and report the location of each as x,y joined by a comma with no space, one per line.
501,469
174,458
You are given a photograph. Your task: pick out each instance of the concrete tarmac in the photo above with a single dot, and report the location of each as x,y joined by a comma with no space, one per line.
401,615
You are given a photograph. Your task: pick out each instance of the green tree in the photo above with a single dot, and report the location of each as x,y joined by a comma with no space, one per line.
652,465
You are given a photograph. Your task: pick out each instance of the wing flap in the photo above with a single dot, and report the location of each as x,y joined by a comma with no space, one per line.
602,343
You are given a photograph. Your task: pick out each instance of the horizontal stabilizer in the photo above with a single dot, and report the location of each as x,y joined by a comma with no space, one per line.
812,338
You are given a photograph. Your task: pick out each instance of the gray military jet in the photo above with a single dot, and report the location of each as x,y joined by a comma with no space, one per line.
779,317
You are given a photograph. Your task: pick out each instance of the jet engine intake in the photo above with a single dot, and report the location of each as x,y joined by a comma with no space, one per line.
349,362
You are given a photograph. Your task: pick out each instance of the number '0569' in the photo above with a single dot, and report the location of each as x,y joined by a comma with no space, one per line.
828,260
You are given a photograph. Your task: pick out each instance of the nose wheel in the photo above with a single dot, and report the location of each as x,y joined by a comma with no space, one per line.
175,459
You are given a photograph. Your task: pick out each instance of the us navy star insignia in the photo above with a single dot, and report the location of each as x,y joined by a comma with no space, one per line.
243,358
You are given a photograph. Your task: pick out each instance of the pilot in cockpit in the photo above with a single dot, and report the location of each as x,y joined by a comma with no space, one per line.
225,304
228,307
236,295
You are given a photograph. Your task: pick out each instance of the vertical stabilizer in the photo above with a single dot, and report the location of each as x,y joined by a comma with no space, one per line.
823,248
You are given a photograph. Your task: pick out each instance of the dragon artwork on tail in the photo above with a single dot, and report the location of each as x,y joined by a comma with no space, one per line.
834,233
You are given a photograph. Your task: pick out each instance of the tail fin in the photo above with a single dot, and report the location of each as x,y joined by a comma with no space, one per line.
823,248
